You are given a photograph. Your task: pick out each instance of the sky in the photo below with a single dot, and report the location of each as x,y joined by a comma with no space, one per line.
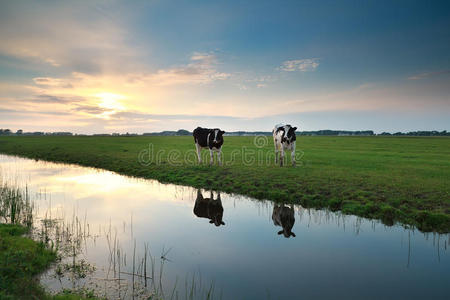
147,66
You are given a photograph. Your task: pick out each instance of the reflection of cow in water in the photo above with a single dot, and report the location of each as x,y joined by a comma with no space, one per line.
209,208
284,216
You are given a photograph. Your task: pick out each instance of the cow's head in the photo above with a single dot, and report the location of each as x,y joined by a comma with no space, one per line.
289,135
218,136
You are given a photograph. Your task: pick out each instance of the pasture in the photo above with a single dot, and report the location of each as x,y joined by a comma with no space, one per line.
402,179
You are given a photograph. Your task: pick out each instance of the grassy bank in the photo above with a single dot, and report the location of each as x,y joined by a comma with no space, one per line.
390,178
21,259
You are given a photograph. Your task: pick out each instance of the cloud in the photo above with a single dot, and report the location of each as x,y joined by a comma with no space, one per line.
52,99
25,112
201,69
91,109
55,82
103,95
135,115
71,35
302,65
428,74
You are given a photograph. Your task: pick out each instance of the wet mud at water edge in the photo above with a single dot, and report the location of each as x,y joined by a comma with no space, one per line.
124,237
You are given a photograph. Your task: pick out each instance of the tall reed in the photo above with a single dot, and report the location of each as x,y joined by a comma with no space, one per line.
15,204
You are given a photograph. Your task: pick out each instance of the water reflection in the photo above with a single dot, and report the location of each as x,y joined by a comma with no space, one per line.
126,226
209,208
284,216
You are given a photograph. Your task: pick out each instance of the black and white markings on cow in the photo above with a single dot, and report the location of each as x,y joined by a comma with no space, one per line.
211,139
284,138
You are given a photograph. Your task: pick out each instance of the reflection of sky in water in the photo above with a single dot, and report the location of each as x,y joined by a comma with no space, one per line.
332,256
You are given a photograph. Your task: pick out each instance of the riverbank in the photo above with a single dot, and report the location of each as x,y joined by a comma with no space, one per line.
21,260
393,179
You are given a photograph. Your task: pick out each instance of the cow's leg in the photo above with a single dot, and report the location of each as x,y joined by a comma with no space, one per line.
293,158
198,153
281,156
276,150
293,154
211,160
219,156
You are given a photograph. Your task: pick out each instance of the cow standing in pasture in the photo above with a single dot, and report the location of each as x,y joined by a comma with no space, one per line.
284,139
284,216
211,139
209,208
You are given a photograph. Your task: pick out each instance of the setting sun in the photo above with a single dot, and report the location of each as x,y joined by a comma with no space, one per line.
110,102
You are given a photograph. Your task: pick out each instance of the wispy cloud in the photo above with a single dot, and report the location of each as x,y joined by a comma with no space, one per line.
54,82
302,65
51,99
201,69
428,74
91,109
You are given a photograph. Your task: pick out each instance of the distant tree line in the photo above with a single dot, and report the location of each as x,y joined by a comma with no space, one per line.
337,132
419,133
20,132
169,133
183,132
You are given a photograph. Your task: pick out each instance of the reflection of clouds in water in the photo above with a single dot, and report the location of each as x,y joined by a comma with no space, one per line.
104,182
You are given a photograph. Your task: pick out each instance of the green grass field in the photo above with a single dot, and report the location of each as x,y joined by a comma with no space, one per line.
402,179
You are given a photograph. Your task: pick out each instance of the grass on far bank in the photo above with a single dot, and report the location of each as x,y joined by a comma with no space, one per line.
402,179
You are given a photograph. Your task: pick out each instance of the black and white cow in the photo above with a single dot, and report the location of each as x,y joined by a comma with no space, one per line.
284,139
211,139
209,208
284,216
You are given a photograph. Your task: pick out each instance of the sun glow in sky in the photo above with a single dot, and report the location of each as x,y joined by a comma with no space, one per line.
144,66
110,102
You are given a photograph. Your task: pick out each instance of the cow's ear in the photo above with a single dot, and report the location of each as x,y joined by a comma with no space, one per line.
211,221
222,131
293,234
280,232
295,128
222,223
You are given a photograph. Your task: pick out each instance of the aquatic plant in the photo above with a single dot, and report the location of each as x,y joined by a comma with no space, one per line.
15,205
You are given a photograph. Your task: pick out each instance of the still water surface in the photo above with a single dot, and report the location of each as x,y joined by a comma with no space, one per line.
242,252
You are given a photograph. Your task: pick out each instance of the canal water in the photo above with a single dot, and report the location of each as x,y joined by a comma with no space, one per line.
180,242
